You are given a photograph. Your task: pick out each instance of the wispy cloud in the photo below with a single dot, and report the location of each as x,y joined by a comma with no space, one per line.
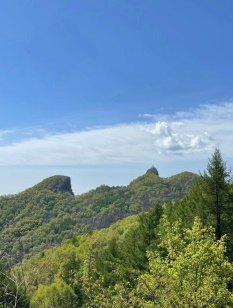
179,136
4,134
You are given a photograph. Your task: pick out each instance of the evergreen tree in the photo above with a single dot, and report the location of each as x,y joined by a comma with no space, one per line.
211,199
216,194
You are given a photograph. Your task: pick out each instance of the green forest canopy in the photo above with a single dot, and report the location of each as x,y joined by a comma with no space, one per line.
169,256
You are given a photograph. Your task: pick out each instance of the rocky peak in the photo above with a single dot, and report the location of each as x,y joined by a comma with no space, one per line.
152,170
56,183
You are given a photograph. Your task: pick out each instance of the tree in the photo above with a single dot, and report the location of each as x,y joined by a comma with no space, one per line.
193,273
58,294
12,288
216,192
210,199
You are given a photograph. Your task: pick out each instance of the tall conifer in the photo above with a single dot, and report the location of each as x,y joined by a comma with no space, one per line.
216,193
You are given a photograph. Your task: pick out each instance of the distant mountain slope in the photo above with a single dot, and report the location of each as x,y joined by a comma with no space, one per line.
44,215
150,188
56,183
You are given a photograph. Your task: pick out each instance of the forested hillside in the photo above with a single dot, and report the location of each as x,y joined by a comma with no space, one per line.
48,213
176,254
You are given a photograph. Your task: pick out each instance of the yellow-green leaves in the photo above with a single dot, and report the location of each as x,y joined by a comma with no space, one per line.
58,294
194,273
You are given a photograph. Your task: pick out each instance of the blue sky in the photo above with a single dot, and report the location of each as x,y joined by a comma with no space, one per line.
101,90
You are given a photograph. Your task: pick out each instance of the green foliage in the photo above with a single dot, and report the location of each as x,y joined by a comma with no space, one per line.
58,294
216,192
162,257
12,289
56,183
48,213
82,263
95,265
211,199
194,272
132,264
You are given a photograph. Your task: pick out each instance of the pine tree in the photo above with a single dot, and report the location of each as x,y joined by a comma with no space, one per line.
215,192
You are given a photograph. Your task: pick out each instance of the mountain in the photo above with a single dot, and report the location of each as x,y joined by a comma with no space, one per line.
56,183
47,213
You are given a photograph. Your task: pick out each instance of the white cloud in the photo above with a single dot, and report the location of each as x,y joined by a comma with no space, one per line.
107,145
180,136
169,142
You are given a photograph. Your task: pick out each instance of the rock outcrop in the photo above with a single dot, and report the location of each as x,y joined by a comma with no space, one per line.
56,183
153,170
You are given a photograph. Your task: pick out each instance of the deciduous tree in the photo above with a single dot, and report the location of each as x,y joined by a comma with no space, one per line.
194,273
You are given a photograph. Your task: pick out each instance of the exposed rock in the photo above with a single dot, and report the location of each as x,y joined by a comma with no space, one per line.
152,170
56,183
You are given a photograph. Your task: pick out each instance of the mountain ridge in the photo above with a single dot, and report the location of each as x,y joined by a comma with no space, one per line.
48,213
55,183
